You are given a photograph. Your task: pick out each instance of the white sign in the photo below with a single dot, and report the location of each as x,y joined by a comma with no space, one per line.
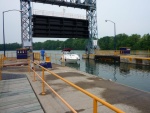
94,42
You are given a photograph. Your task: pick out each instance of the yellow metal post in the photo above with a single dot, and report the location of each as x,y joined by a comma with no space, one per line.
43,85
94,106
34,79
39,57
4,58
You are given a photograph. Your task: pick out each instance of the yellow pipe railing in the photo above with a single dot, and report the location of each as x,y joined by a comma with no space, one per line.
43,88
95,98
43,85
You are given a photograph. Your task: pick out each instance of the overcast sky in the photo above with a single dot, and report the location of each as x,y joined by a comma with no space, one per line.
130,16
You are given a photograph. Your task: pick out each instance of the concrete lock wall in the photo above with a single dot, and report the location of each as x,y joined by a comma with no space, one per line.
135,60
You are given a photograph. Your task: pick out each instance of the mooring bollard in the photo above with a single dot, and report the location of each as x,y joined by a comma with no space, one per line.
48,62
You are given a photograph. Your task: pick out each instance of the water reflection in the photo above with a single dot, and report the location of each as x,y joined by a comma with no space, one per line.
137,76
115,78
73,65
90,66
124,68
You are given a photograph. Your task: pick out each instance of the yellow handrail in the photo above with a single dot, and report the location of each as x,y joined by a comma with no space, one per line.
43,92
95,98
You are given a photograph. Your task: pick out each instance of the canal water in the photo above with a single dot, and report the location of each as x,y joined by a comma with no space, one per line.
136,76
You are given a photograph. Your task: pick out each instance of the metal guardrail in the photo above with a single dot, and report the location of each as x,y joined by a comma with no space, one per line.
95,98
44,83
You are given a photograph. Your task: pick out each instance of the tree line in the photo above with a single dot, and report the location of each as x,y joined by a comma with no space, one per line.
134,42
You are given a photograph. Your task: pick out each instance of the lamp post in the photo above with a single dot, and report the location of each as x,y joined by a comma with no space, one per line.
114,32
4,28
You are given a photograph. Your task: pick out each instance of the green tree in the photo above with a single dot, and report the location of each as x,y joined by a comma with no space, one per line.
145,42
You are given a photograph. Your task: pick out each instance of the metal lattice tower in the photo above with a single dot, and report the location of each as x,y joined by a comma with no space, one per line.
88,5
91,15
26,25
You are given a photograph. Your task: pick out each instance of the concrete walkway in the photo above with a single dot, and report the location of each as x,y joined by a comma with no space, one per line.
17,96
128,99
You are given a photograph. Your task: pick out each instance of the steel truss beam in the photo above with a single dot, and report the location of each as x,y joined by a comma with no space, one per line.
83,4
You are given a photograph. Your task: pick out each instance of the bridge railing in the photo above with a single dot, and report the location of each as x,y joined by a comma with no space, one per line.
95,98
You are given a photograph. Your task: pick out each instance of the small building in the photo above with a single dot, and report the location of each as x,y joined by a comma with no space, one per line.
124,50
22,53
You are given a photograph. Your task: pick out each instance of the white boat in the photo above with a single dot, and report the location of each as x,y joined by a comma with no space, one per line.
69,57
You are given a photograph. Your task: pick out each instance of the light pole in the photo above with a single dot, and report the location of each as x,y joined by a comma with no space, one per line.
114,33
4,28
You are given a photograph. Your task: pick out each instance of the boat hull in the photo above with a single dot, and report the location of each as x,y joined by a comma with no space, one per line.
70,58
